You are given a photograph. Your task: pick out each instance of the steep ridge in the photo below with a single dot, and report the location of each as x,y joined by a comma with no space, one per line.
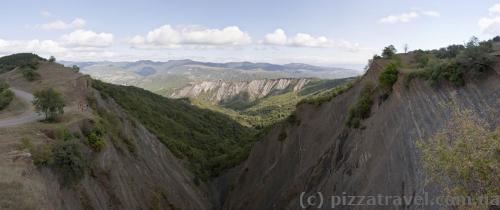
316,152
133,171
226,91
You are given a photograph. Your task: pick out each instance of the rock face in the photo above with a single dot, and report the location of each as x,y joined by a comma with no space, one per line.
320,154
224,91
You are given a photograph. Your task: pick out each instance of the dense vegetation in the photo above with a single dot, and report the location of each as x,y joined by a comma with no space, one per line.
464,157
64,155
388,76
452,63
210,141
6,95
327,95
94,134
272,109
362,107
49,102
23,60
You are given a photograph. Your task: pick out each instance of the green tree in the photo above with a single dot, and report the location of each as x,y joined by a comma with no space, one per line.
50,102
389,51
52,59
76,68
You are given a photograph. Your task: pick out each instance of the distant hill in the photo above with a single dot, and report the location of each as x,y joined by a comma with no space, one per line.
164,77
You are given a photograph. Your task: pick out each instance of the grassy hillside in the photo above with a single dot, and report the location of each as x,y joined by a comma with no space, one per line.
210,141
274,108
10,62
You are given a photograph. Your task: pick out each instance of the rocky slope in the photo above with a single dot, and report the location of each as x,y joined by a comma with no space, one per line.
133,171
316,152
226,91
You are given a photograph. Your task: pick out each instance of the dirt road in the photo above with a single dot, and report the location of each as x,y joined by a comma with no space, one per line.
26,117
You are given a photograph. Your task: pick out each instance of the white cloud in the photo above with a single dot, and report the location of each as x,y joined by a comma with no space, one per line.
403,18
167,36
77,23
431,13
490,25
279,37
46,48
46,13
42,46
494,9
86,38
408,17
306,40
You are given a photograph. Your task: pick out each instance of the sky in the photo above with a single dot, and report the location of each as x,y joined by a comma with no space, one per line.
321,32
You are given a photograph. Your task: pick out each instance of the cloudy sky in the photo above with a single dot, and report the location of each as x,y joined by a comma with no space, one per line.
323,32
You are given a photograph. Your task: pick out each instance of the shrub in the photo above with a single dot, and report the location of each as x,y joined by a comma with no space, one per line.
26,144
28,70
389,51
52,59
388,76
30,74
62,134
421,58
68,161
50,102
95,142
449,52
415,74
6,96
63,155
362,107
94,134
475,57
75,68
456,61
464,157
43,155
3,86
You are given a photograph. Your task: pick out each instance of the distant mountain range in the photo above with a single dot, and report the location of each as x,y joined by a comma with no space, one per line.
165,77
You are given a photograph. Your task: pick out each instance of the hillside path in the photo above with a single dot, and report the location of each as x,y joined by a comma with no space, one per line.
26,117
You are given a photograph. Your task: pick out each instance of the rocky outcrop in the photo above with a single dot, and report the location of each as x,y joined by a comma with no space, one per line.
318,153
223,91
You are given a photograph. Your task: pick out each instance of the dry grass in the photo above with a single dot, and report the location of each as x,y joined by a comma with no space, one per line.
13,196
16,107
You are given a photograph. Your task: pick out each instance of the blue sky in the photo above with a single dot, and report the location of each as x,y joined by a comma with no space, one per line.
323,32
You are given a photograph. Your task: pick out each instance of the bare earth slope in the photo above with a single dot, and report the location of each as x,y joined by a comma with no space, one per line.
141,175
319,154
